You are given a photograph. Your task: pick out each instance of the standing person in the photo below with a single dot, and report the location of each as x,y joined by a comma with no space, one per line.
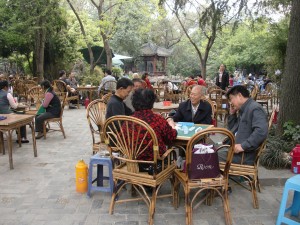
52,105
248,122
7,103
222,78
231,80
72,90
145,77
194,109
107,77
115,105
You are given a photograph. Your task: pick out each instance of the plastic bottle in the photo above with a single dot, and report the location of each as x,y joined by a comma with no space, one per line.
86,102
81,170
295,153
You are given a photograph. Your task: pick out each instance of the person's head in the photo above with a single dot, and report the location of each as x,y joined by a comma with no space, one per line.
135,75
199,76
237,96
62,74
2,77
231,75
45,84
145,76
143,99
107,72
72,75
196,95
137,83
222,68
124,87
3,85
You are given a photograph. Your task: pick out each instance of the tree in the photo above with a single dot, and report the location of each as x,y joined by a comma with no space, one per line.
289,99
201,23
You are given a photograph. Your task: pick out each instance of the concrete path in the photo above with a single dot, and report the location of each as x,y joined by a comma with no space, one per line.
42,190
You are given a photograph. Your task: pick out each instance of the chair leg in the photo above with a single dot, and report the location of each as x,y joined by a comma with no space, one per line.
113,198
62,129
254,194
188,208
152,206
227,214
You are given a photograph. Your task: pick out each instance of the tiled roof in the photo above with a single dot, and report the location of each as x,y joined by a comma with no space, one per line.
150,49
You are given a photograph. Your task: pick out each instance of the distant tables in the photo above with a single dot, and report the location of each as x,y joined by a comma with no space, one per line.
160,108
11,123
89,90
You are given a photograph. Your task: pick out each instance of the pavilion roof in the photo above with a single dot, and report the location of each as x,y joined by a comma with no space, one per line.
150,49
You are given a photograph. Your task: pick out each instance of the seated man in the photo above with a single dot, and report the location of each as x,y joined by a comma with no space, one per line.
248,122
137,83
115,105
107,77
194,109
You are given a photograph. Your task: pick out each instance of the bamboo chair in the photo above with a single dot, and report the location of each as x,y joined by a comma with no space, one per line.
57,121
35,96
213,106
95,114
218,185
108,87
250,172
222,108
126,135
263,98
106,97
60,86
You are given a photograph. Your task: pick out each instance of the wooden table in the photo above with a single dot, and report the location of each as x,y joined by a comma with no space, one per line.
89,90
11,123
160,108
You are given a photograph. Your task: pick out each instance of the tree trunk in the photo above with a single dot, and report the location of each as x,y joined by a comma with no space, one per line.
290,91
40,35
203,68
108,52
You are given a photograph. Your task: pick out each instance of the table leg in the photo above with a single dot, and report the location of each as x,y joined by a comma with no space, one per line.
9,144
2,148
33,138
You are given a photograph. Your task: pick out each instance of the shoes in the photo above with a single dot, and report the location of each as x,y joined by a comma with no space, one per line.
72,107
23,141
39,136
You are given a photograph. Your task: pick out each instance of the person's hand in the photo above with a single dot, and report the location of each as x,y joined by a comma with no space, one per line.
232,109
238,148
171,122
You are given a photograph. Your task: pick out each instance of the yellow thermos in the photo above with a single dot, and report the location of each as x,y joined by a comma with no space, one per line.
81,176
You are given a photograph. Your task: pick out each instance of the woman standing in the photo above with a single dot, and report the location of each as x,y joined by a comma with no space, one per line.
146,79
51,104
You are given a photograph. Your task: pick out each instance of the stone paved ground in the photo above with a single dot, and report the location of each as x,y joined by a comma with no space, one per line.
41,190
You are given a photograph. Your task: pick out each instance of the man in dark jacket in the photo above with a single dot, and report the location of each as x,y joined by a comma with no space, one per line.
248,122
222,78
194,109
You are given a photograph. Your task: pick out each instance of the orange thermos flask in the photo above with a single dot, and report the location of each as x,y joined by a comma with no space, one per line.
81,176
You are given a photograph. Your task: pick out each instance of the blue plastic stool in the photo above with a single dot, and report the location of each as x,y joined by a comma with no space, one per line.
100,162
292,183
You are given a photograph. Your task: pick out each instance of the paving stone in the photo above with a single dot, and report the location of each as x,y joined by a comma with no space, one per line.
41,190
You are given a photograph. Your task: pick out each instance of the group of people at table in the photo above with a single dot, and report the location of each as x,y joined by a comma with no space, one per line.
247,119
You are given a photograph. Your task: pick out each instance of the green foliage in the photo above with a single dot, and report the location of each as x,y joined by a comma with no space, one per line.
291,132
116,71
93,79
276,154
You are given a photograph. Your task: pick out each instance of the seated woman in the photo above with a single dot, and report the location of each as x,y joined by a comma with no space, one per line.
142,101
51,104
7,103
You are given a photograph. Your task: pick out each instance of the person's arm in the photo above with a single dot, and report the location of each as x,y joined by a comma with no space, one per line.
47,100
169,134
11,101
178,115
260,130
